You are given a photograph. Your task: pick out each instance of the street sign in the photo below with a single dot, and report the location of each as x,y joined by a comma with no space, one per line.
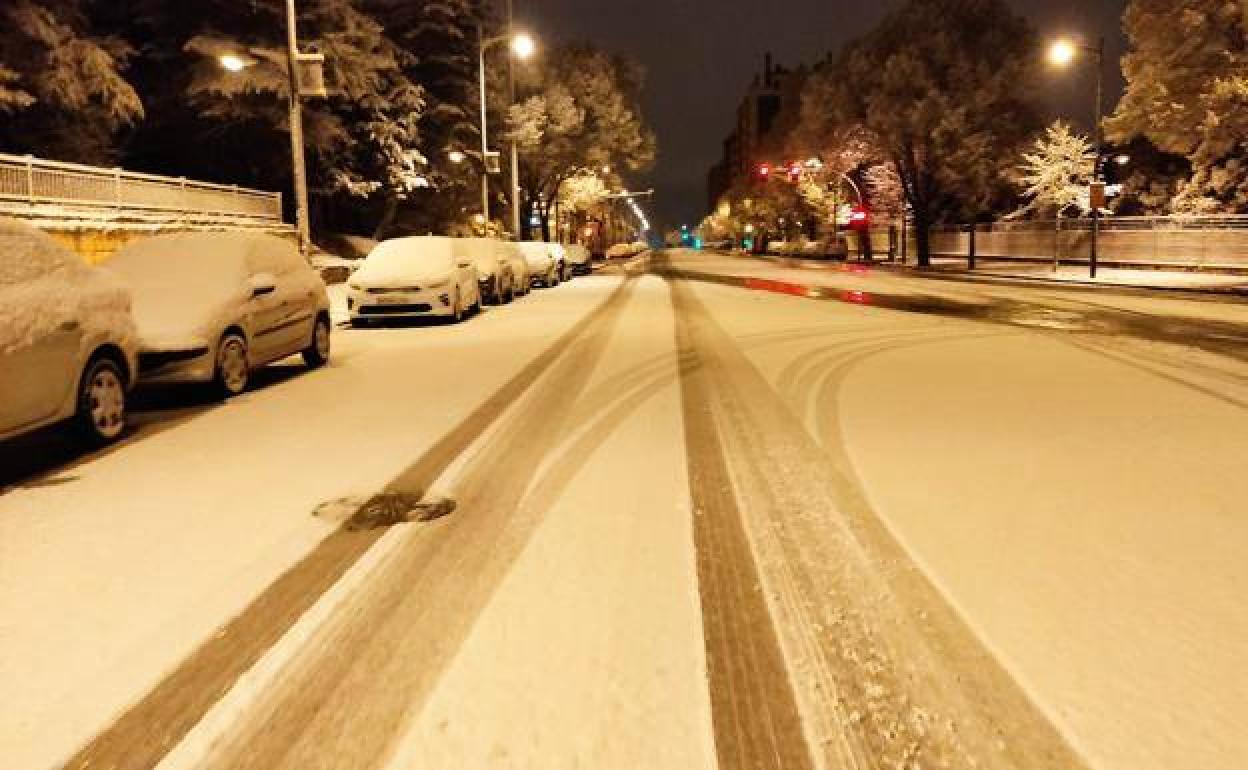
311,71
1096,196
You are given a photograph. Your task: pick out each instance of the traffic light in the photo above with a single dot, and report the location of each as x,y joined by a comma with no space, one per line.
764,170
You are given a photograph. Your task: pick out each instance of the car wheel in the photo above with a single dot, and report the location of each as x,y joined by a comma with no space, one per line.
457,311
553,281
101,413
511,293
233,369
316,354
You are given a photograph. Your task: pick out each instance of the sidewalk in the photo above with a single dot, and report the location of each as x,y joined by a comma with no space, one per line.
1161,280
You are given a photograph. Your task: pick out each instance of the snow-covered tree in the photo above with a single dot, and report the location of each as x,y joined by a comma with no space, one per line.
362,142
1187,93
1056,173
580,109
439,38
943,86
62,89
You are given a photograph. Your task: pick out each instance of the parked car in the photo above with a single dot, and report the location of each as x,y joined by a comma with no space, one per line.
414,278
559,254
578,259
543,268
495,274
68,344
510,252
212,307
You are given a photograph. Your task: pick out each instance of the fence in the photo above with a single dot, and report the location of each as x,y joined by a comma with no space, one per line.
31,187
1192,242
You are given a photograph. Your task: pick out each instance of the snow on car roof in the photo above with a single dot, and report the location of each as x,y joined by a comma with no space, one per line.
27,253
407,258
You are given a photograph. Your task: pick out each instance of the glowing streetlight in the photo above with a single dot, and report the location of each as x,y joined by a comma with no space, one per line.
232,62
523,46
456,156
1062,53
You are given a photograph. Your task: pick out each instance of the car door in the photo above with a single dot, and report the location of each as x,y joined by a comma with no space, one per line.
298,291
277,315
39,369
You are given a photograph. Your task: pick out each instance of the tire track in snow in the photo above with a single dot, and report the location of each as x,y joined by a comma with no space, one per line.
356,689
140,737
886,673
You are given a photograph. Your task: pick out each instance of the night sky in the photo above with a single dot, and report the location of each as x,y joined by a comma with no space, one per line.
700,56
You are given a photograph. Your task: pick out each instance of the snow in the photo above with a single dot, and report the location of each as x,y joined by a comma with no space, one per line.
43,286
1082,513
1110,276
155,544
182,283
404,262
590,653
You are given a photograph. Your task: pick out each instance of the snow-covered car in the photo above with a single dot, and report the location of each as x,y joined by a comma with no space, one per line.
68,345
578,258
414,278
212,307
495,274
621,251
559,254
543,268
510,252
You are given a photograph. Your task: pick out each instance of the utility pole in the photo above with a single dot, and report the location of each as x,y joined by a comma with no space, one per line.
485,142
515,152
300,174
1097,195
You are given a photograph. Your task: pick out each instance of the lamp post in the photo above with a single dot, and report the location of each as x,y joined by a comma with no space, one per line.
236,63
1063,53
522,46
302,219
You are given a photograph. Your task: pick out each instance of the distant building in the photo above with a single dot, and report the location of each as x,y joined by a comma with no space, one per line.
773,94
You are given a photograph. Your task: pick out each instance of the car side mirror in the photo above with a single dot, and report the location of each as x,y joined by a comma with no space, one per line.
262,284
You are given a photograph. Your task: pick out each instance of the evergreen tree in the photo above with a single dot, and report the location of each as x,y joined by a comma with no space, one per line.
1057,173
1187,93
63,94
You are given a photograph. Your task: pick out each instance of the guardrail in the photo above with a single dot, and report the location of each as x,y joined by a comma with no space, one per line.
32,186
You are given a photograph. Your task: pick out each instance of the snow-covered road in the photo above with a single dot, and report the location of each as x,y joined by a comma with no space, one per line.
728,513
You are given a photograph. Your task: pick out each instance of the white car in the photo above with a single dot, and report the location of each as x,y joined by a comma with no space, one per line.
212,307
543,267
578,259
510,252
68,346
414,278
495,274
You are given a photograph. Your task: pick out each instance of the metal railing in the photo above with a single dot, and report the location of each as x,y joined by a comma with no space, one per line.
30,185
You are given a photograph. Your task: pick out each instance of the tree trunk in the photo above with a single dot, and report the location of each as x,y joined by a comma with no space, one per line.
970,254
922,240
388,213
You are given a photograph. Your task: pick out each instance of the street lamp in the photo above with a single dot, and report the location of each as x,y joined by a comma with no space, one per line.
232,62
522,47
456,156
1063,53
